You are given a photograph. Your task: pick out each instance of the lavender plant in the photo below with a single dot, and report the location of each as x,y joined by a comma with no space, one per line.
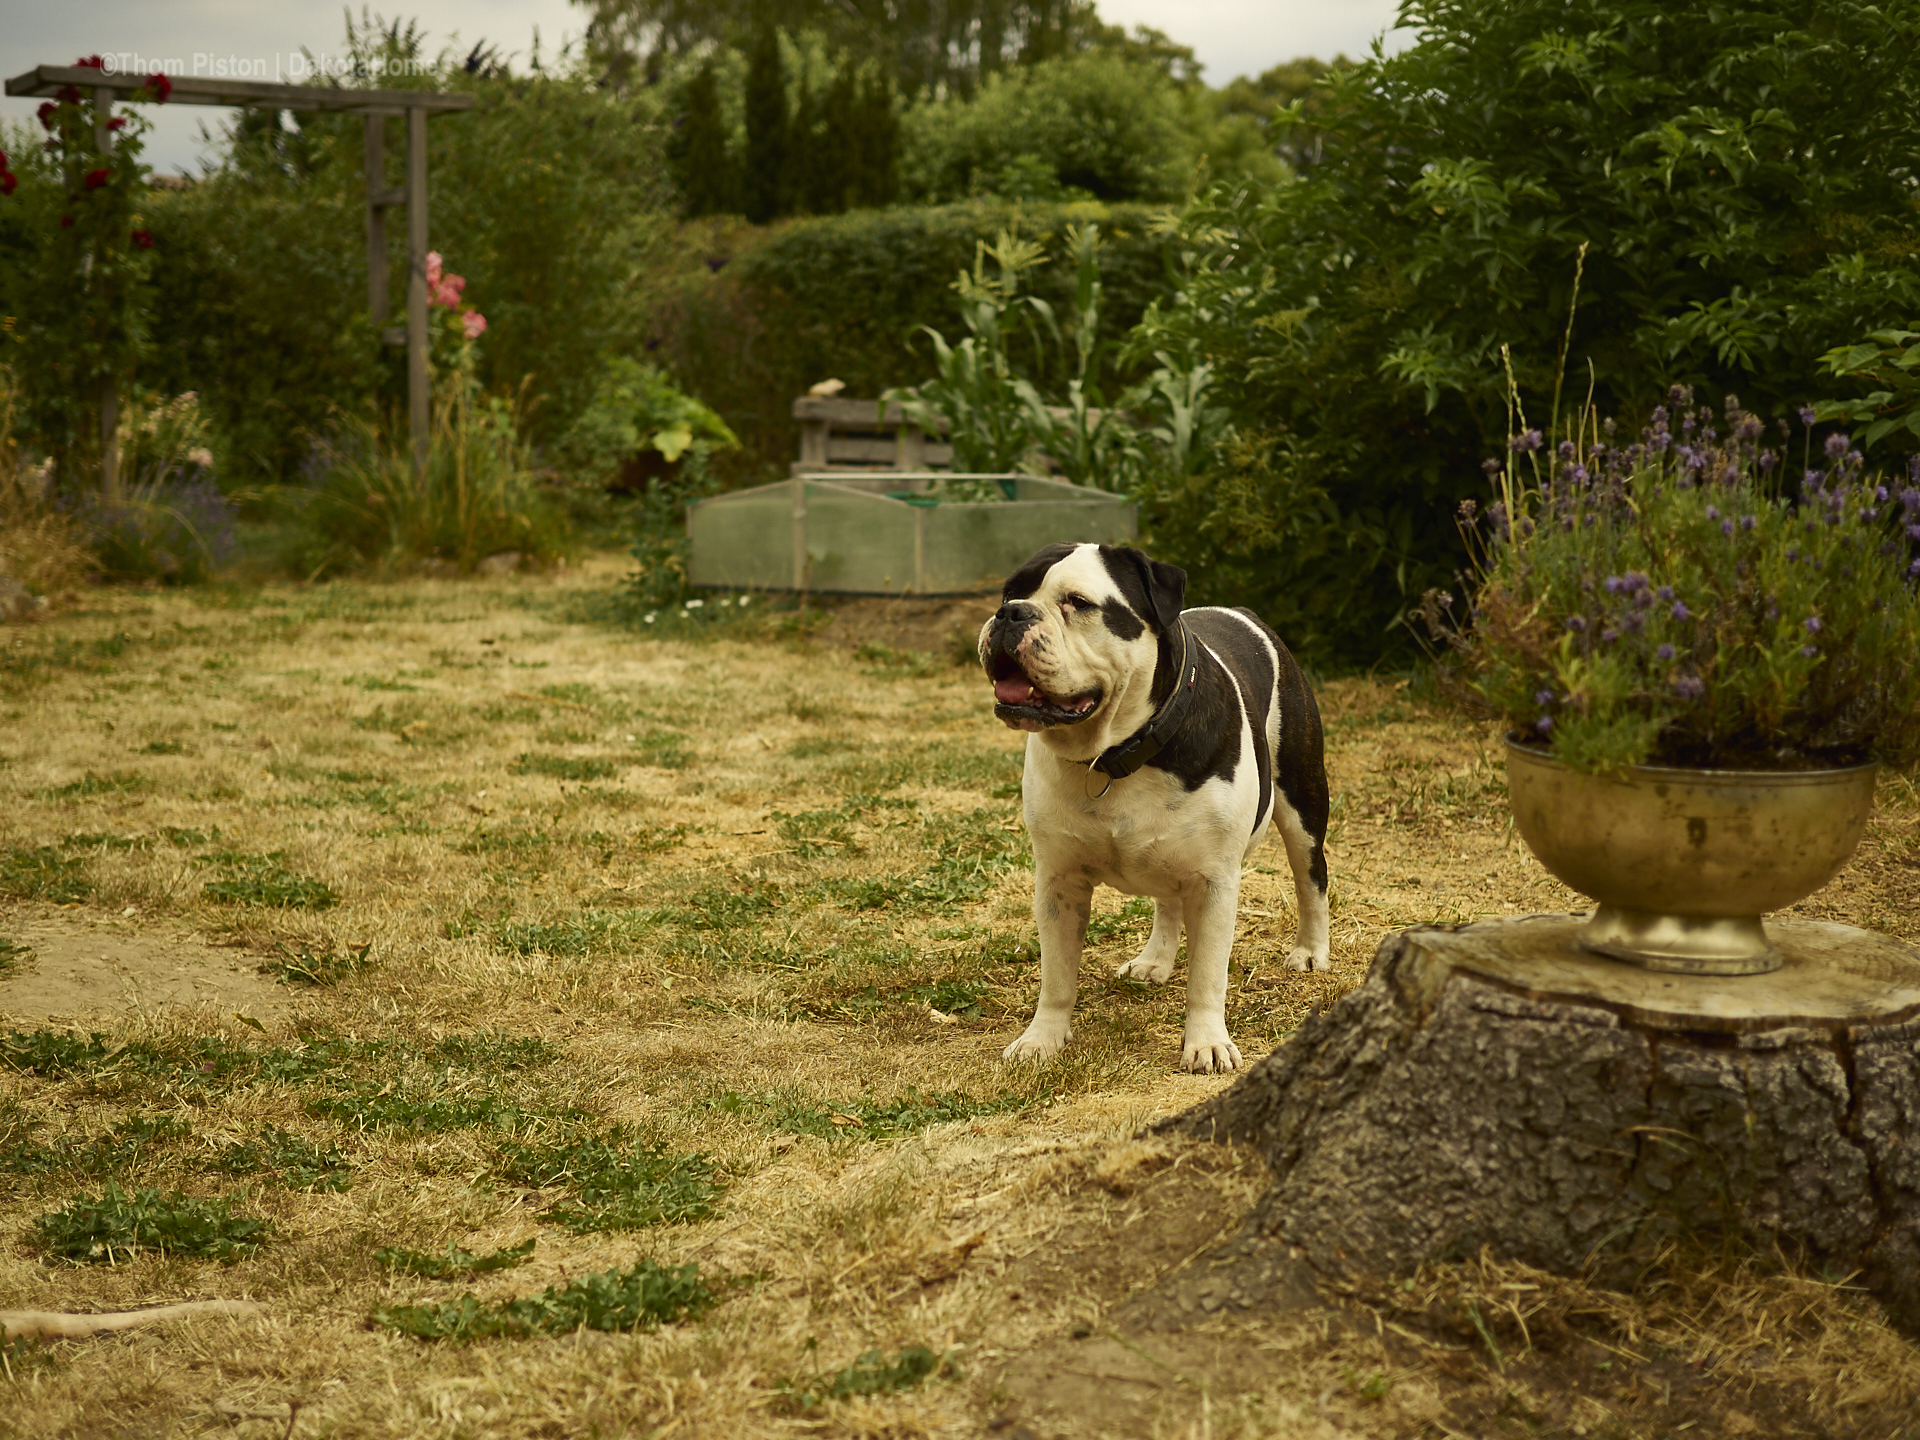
1660,602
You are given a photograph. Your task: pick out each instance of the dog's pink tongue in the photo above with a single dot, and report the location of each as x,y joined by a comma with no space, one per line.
1012,691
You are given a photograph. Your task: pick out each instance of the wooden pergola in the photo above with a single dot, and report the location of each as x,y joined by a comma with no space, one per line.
378,106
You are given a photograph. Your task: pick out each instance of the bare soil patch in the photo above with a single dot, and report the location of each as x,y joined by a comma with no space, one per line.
696,944
80,972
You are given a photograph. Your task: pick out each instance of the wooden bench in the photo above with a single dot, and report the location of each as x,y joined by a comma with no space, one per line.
841,437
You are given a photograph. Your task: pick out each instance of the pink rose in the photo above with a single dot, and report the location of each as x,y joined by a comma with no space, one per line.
433,269
474,323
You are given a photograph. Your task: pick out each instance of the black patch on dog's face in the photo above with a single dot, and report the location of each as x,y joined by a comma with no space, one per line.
1030,576
1154,590
1121,620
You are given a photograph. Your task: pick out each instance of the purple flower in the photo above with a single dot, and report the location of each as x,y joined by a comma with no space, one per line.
1544,724
1807,652
1813,624
1793,551
1767,461
1713,512
1689,687
1576,624
1526,442
1543,698
1747,522
1808,415
1566,450
1665,652
1608,635
1665,592
1726,528
1837,445
1680,611
1613,584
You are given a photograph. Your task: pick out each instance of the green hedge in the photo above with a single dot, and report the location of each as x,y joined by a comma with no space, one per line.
748,318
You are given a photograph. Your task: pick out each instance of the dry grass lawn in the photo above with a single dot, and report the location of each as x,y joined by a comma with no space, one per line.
696,944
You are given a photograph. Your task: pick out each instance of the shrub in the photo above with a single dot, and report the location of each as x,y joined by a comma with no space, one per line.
1095,126
1741,206
747,319
1654,602
552,190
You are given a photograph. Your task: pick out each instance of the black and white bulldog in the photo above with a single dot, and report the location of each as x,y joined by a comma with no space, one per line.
1164,744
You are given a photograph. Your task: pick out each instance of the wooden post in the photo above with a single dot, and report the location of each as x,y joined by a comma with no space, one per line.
419,396
376,171
109,388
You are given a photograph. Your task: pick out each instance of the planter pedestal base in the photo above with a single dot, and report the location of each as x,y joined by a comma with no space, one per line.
1499,1085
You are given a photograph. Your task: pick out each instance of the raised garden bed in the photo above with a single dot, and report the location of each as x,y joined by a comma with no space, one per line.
896,533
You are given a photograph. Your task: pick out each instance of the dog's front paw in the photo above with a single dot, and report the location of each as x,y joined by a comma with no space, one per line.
1041,1042
1145,966
1301,958
1207,1051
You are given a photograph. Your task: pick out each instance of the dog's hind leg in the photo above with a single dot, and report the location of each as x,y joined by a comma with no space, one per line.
1155,963
1210,909
1307,854
1062,903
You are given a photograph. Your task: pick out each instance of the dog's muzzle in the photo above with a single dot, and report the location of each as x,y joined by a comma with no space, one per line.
1018,700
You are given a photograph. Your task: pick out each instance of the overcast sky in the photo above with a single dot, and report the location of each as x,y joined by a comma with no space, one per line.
267,37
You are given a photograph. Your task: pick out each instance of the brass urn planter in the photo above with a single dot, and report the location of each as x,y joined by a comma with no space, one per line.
1684,863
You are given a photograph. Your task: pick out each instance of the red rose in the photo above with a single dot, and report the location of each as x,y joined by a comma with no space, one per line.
66,222
68,94
7,182
45,112
96,178
118,122
90,62
160,85
142,239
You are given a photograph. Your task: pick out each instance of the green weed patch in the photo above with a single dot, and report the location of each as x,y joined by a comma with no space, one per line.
298,1164
264,881
43,873
864,1118
20,662
317,968
872,1374
422,1107
615,1182
456,1264
662,749
14,957
118,1225
641,1298
127,1145
90,784
561,767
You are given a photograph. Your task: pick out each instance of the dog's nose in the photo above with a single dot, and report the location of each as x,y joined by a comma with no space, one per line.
1016,612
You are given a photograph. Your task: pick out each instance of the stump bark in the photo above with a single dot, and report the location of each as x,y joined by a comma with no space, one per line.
1493,1085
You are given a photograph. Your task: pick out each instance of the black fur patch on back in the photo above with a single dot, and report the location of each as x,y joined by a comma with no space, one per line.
1030,576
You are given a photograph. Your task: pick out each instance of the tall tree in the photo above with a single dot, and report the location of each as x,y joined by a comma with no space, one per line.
702,165
765,181
875,144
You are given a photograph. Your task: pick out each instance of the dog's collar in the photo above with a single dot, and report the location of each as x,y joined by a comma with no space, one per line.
1119,761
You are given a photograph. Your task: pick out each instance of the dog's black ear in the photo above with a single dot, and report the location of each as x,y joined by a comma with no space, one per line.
1157,590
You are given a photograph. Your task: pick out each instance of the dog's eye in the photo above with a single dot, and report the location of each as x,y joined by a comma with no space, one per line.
1076,602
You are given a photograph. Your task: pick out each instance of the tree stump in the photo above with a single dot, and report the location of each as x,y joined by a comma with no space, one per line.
1493,1085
